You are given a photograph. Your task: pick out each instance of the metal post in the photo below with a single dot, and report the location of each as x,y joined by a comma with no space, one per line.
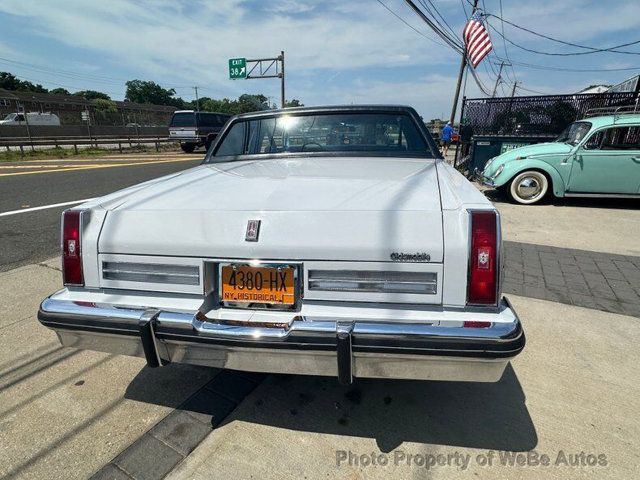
282,77
463,64
197,100
495,87
26,121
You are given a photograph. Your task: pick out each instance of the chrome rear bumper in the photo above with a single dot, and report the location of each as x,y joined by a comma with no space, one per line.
344,347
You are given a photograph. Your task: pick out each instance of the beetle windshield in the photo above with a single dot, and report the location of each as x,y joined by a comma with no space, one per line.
574,133
376,133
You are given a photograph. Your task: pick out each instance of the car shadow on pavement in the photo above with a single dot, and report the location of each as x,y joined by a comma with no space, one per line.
490,416
463,414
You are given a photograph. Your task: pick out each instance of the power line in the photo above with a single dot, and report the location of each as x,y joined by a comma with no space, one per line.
506,51
564,42
570,54
452,42
408,24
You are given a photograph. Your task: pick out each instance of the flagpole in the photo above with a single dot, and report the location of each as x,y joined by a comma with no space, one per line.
463,64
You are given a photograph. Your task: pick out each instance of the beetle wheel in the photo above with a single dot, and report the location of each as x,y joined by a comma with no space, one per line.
529,187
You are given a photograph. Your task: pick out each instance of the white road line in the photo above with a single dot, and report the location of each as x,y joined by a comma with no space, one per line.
44,207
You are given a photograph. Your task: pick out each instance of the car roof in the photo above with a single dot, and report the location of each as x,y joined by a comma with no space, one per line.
607,120
332,108
201,113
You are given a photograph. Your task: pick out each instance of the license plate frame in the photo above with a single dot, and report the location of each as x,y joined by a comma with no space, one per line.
226,303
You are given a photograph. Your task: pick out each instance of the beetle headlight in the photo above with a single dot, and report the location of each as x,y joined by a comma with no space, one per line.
498,172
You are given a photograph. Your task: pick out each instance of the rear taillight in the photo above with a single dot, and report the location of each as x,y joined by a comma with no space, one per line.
484,262
72,248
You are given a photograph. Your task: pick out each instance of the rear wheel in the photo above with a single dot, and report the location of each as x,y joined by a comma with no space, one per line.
188,147
529,187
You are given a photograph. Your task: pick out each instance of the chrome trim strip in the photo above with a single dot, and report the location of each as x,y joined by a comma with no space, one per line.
150,272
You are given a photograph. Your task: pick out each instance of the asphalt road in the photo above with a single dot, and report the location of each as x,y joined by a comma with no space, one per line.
32,236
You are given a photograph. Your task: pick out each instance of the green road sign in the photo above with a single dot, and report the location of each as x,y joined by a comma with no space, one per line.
237,68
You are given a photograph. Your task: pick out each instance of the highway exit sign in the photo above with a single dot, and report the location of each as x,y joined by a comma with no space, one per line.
237,68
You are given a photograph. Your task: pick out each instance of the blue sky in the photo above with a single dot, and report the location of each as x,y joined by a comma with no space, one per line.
337,51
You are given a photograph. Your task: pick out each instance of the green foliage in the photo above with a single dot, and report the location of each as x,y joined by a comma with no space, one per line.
8,81
245,103
92,95
141,91
106,106
60,91
294,102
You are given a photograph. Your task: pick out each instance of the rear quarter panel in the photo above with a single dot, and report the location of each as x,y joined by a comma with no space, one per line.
458,196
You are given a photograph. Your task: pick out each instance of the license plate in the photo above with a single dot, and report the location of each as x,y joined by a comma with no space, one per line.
247,284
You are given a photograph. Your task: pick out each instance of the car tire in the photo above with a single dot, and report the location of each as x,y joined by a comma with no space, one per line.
188,147
528,187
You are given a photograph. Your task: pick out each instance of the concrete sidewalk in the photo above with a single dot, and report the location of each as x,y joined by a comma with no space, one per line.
64,413
575,388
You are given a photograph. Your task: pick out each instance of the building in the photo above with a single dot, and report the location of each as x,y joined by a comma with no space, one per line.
69,109
595,89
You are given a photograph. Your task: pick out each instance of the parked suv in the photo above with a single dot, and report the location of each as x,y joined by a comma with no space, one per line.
594,157
195,129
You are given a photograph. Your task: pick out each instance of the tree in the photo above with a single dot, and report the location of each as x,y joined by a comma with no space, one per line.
141,91
92,95
60,91
103,105
294,102
8,81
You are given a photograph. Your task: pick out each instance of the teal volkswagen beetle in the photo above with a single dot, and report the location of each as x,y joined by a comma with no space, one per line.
594,157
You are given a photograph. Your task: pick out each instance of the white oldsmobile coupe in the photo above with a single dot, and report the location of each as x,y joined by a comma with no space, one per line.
321,241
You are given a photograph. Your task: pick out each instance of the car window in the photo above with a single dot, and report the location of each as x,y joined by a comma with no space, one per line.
186,119
574,133
621,138
324,132
234,141
594,141
211,120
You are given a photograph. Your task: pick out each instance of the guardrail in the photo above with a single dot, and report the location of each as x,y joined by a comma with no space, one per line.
75,142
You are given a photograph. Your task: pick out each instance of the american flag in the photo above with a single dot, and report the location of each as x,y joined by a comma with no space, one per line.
476,39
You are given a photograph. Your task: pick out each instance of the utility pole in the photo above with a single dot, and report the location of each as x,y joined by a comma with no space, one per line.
197,100
513,90
463,64
282,77
495,87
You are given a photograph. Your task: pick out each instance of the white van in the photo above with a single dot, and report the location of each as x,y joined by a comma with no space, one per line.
34,118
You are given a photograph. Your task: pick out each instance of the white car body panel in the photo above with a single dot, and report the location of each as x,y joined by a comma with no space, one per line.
317,209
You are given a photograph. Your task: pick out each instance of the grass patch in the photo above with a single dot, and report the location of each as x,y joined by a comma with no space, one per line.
58,152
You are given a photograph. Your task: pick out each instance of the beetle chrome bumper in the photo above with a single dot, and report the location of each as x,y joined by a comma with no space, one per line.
344,347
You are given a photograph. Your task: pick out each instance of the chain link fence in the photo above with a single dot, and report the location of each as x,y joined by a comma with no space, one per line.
534,115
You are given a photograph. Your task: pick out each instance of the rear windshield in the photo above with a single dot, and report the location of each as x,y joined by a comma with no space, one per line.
187,119
395,134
